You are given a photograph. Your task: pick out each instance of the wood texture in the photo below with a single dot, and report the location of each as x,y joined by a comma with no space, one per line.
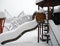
2,20
40,17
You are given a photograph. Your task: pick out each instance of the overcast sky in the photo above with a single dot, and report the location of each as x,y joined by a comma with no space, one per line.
14,7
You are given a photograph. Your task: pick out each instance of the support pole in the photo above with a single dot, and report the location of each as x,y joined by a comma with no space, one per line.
38,32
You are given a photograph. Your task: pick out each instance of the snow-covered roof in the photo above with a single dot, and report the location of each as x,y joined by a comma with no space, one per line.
38,1
56,9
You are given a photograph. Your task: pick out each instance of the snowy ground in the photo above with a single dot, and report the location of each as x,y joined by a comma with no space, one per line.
28,39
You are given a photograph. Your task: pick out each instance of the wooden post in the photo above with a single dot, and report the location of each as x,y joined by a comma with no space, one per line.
38,32
2,21
42,31
38,7
48,19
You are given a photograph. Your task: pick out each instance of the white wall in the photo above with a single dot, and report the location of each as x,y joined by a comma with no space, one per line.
14,7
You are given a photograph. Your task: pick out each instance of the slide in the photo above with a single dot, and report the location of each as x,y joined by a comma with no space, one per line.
17,33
